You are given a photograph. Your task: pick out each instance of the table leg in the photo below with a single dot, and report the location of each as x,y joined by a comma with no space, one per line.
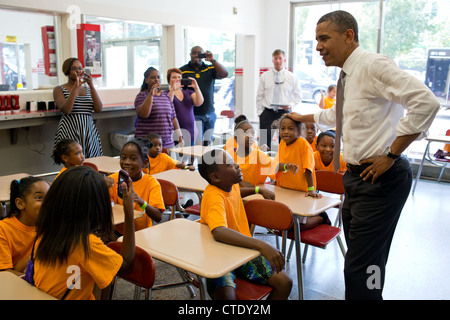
419,172
298,256
202,287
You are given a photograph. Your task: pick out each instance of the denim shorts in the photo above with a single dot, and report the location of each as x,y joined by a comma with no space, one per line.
257,270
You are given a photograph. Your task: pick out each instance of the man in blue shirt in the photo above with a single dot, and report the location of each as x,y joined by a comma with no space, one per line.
205,75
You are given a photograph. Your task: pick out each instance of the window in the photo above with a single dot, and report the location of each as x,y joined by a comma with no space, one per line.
223,47
22,54
415,34
128,49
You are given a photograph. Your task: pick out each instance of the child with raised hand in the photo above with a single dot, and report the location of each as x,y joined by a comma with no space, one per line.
74,221
17,229
254,163
69,153
328,101
160,161
223,211
323,157
147,190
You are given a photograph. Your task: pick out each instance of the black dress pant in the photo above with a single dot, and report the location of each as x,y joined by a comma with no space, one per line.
370,213
266,118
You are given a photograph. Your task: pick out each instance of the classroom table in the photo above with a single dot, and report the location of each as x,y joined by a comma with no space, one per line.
300,206
119,216
5,184
205,257
184,179
426,154
105,164
15,288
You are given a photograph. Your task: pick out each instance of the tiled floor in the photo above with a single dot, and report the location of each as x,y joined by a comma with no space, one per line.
418,265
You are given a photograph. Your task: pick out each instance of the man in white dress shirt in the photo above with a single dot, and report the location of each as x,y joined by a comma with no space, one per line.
278,91
375,132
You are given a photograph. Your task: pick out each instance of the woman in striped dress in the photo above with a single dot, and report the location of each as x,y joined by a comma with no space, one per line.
77,102
155,110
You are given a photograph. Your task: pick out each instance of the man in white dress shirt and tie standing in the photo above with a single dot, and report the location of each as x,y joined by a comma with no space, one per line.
373,94
278,91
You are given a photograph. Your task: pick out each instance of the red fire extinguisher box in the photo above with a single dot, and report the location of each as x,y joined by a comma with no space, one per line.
48,42
89,48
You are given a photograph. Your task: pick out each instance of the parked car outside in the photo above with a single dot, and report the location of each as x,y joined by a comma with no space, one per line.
312,82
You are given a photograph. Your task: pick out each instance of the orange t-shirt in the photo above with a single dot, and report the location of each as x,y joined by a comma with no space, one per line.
255,167
100,267
321,166
149,189
162,162
16,241
62,170
329,102
231,145
224,209
314,144
300,153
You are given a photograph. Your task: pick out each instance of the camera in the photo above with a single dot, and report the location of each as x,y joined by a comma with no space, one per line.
164,87
201,55
123,177
186,82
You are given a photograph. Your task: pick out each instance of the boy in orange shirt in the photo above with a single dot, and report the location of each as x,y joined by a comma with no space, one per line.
311,134
223,211
323,157
159,161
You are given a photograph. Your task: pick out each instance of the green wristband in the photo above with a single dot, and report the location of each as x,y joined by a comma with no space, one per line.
256,189
310,188
285,169
144,206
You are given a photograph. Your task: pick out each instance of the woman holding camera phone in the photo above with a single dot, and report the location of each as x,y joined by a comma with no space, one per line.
155,110
77,102
184,101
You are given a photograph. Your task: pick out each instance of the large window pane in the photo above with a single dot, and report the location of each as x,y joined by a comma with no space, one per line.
223,47
128,49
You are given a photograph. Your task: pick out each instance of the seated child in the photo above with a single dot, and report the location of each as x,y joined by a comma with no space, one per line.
311,134
323,157
160,161
17,229
294,166
148,196
70,256
328,101
69,153
255,164
231,143
223,211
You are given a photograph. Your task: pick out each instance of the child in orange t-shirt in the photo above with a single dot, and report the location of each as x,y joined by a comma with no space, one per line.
294,165
254,163
328,101
69,153
160,161
311,134
17,229
74,223
148,195
323,157
223,211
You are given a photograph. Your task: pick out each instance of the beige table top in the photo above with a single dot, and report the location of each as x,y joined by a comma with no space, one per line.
196,151
442,138
118,215
15,288
184,179
105,164
206,257
5,184
297,202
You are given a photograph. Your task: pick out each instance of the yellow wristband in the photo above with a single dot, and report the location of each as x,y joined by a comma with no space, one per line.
256,189
144,206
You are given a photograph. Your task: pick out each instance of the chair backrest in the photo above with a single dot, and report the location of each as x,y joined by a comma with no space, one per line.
169,192
89,164
328,181
164,150
269,214
143,274
227,113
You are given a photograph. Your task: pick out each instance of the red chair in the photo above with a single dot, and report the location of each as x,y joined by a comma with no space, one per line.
322,235
170,195
89,164
143,274
444,160
164,150
194,209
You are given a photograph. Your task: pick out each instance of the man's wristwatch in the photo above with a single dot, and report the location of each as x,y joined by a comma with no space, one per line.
388,153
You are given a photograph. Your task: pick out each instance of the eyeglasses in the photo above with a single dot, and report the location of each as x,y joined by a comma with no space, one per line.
76,69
